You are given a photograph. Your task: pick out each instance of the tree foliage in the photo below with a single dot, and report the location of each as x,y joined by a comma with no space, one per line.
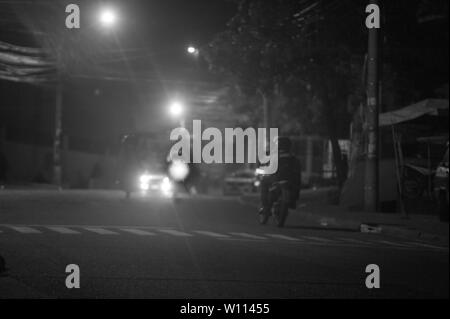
290,54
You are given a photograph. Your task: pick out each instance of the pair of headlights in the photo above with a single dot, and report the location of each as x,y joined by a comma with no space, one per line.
178,172
165,186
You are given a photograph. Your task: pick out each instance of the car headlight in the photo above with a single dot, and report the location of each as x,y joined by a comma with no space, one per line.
166,185
144,182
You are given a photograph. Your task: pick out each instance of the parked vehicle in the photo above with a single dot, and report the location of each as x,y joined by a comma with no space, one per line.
240,182
441,187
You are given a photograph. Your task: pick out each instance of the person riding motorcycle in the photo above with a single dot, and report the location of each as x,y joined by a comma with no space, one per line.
289,169
186,174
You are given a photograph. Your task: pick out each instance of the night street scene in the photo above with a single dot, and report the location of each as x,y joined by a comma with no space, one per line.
234,150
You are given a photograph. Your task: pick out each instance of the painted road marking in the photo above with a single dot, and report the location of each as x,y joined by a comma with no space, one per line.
138,232
100,231
63,230
175,233
211,234
426,245
391,243
249,236
25,230
283,237
151,231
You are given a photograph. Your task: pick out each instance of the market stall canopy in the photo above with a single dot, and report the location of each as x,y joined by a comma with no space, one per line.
432,107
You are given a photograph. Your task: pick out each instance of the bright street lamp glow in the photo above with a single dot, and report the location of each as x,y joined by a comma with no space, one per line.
108,17
176,109
192,50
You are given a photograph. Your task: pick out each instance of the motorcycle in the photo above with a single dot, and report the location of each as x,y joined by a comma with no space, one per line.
280,197
181,176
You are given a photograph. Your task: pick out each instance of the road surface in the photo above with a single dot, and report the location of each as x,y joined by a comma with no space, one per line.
202,247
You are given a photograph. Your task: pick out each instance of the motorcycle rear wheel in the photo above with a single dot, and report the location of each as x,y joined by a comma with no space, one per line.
282,210
280,217
263,217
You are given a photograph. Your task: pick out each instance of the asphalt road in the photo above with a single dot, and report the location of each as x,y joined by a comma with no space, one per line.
203,247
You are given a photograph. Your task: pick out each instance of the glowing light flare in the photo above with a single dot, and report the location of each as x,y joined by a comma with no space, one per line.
179,170
176,109
166,187
192,50
108,17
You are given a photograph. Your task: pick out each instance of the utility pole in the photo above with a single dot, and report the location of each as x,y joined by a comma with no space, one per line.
57,140
372,113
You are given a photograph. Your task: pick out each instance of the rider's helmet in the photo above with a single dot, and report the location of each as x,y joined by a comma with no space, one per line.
284,144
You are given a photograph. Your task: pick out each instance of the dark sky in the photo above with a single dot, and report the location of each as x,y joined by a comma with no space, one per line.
154,66
157,27
149,40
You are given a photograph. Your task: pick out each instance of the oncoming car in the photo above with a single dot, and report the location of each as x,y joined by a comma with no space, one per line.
140,168
157,184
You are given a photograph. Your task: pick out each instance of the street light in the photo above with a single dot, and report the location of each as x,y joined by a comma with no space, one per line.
193,51
177,110
108,17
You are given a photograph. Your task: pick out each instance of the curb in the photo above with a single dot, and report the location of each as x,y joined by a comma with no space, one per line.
30,187
361,226
413,234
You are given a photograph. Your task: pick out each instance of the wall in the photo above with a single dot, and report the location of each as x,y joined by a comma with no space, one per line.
29,163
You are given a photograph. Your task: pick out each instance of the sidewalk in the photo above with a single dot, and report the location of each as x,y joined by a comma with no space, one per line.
315,210
29,186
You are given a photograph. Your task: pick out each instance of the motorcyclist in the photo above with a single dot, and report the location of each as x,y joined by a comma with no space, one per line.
289,169
187,177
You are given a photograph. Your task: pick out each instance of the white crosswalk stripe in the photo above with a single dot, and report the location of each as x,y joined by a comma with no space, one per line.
101,231
386,242
138,232
175,233
425,245
248,236
231,236
211,234
25,230
283,237
64,230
